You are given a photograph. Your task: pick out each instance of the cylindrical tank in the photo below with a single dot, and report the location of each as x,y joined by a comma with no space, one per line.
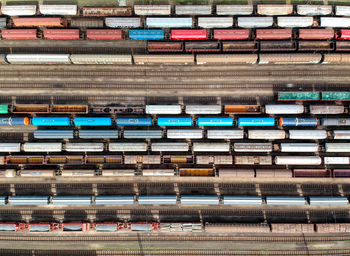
298,121
14,121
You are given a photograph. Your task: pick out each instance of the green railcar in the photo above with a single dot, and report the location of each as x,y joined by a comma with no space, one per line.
4,109
291,96
335,95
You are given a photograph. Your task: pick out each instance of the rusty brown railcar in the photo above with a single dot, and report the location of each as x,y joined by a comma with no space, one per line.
196,172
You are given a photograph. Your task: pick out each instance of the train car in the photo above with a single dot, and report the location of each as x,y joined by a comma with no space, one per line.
298,121
169,146
336,160
37,173
277,46
285,200
255,22
184,134
242,200
237,228
158,172
242,109
18,58
4,109
207,46
3,200
202,109
62,34
134,121
70,109
39,22
214,159
299,147
118,110
103,159
256,121
326,109
336,58
222,9
174,121
211,147
3,22
127,146
154,34
75,227
19,34
18,10
173,22
104,34
149,10
337,147
157,199
163,109
274,173
86,23
342,10
84,147
273,34
23,160
142,159
71,200
292,228
326,33
165,47
196,172
341,134
316,46
11,227
9,173
10,147
183,59
311,173
28,200
78,173
30,108
284,109
298,160
54,9
335,22
295,22
274,9
298,96
333,228
105,11
142,134
336,96
231,34
335,121
307,134
178,159
101,59
114,200
118,172
41,227
181,227
328,200
199,200
42,147
253,160
193,10
341,173
215,22
124,22
93,121
234,59
266,134
239,173
98,134
294,58
225,134
188,34
314,10
215,121
252,147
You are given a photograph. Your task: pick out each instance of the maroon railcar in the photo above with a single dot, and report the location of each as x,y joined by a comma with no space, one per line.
208,46
104,34
324,33
341,173
273,34
231,34
188,34
165,47
19,34
276,46
317,173
63,34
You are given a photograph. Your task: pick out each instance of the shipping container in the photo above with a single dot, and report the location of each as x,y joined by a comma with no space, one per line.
226,59
231,34
39,22
165,47
293,58
184,59
19,34
234,9
255,22
18,10
168,22
275,9
314,10
148,10
273,34
295,22
66,34
327,33
106,11
215,22
104,34
188,34
64,10
123,22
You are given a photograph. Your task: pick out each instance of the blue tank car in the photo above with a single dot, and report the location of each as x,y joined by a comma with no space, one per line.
215,121
175,121
51,121
256,121
14,121
134,121
93,121
154,34
298,121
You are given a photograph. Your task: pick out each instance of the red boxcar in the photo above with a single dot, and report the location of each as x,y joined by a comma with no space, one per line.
231,34
19,34
188,34
344,34
266,34
39,22
68,34
326,33
104,34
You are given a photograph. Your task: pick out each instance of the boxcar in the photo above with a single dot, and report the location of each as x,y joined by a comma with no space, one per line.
211,147
155,34
123,22
10,147
256,121
39,22
184,134
242,200
240,173
314,10
54,134
142,134
93,121
341,134
336,160
42,147
298,160
203,109
214,159
335,121
342,10
188,34
214,121
225,134
165,47
134,121
266,134
127,147
335,22
67,34
292,228
337,147
101,59
284,109
86,22
275,9
106,11
298,96
215,22
19,34
237,228
158,172
231,34
336,58
274,173
168,22
294,58
199,200
169,146
307,134
295,22
226,58
326,109
145,10
196,172
327,33
157,199
193,10
252,147
64,10
285,200
18,10
17,58
234,9
174,121
51,121
255,22
320,173
273,34
239,46
104,34
299,147
184,59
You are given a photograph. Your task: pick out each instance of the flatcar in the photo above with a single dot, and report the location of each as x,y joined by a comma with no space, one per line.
101,59
155,34
256,121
